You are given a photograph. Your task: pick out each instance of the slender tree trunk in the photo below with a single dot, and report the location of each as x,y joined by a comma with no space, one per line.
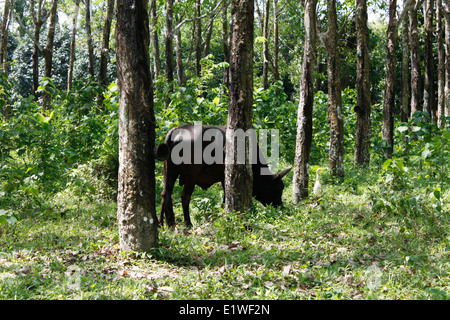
404,111
305,107
207,42
335,113
72,45
38,21
225,40
447,57
389,92
169,50
104,49
276,73
154,39
428,96
415,62
48,52
136,211
4,35
266,46
441,62
239,177
179,54
198,38
89,37
363,108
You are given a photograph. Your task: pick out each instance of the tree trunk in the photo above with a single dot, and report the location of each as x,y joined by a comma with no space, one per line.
441,63
89,37
225,40
154,39
169,50
404,111
305,107
48,52
4,35
275,71
335,113
415,62
266,46
239,177
136,211
38,21
363,108
72,46
428,96
179,54
447,56
389,92
198,38
104,50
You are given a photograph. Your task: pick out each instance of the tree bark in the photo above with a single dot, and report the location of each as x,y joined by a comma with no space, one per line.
363,108
104,50
87,24
4,35
48,52
225,43
38,21
169,50
136,211
179,54
389,92
72,46
447,56
266,46
334,110
154,39
275,71
239,177
404,111
198,38
441,63
415,62
428,94
305,107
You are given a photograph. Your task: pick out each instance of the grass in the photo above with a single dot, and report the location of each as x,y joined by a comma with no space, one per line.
336,247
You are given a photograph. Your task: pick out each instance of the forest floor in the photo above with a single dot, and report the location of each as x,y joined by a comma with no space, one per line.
336,247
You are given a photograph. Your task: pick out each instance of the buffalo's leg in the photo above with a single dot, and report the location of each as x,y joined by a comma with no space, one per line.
185,200
170,176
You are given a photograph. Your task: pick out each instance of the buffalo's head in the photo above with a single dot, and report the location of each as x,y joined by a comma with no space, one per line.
269,189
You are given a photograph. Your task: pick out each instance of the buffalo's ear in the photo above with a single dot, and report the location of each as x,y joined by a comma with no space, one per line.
162,152
281,174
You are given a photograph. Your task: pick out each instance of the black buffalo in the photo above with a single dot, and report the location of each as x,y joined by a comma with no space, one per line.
267,188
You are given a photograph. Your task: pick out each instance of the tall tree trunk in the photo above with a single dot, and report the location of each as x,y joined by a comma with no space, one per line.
389,91
447,57
225,40
335,113
239,177
169,49
305,107
363,108
441,62
404,111
4,35
38,21
72,45
275,71
154,39
415,62
428,94
136,211
48,52
266,46
198,37
179,54
104,49
207,42
87,14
